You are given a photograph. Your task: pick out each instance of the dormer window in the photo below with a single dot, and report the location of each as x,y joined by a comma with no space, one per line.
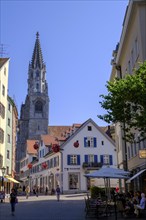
89,128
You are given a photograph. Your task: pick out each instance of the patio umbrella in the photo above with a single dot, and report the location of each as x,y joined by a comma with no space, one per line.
109,172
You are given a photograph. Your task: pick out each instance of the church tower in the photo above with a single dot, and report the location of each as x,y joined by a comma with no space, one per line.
34,113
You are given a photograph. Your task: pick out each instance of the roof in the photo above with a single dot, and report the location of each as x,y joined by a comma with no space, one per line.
3,61
37,58
83,125
58,131
48,139
29,146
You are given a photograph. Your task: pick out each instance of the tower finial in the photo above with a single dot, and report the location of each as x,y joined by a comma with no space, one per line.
37,34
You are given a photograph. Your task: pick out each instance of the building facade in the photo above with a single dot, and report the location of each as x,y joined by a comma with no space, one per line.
64,160
4,71
129,52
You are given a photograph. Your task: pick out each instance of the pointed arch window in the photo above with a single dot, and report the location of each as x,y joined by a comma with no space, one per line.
37,74
38,107
37,87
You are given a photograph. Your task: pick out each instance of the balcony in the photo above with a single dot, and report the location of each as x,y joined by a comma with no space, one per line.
91,165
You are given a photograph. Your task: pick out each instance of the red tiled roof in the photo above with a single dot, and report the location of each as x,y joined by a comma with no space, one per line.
58,131
30,148
3,61
48,139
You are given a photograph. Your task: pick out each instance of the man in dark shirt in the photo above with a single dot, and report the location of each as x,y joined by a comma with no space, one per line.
13,198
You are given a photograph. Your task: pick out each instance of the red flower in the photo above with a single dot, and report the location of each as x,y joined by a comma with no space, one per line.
36,146
55,148
29,165
44,165
76,144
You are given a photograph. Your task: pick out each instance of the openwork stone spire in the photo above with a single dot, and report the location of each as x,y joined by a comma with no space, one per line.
37,58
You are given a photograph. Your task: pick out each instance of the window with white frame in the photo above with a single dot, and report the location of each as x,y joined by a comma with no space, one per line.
106,159
90,142
73,159
91,158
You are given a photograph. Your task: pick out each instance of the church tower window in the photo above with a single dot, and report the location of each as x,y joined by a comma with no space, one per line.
37,87
38,107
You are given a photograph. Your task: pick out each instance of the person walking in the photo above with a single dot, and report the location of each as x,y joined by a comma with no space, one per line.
13,201
27,190
58,193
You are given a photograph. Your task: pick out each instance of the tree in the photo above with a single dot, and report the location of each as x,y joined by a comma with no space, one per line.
126,102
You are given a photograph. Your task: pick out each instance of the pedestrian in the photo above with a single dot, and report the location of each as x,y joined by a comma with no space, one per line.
46,190
58,193
27,190
37,191
13,201
140,206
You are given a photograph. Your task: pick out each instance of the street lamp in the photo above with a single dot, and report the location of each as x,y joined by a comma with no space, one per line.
3,169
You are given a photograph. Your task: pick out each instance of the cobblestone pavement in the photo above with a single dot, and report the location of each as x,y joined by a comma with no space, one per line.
70,207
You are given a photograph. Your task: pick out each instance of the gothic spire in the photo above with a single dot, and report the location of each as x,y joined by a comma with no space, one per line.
37,58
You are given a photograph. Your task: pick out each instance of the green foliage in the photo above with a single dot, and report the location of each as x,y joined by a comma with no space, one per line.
97,191
126,102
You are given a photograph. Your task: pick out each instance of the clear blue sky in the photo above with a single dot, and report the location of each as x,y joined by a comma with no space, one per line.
77,40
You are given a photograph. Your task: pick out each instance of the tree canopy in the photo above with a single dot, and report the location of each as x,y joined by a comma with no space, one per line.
126,102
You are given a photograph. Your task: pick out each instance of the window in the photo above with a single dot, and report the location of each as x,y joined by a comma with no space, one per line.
38,107
90,158
8,154
2,110
37,74
9,107
73,160
5,70
9,122
1,136
37,87
102,142
89,128
8,138
73,179
3,90
89,142
106,159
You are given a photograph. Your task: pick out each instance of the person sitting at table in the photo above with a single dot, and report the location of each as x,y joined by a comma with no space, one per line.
141,205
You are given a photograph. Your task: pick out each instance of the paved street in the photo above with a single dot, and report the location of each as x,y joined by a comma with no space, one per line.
71,207
45,208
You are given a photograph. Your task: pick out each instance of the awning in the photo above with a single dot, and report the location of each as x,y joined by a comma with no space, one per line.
136,175
12,179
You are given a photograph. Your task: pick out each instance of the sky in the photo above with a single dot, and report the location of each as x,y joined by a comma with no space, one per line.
77,39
